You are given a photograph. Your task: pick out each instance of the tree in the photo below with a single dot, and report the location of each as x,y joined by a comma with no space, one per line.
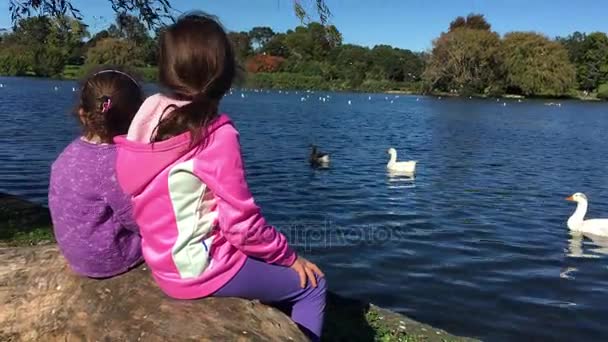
115,51
472,21
260,36
464,60
589,54
34,30
536,65
48,62
276,46
242,45
14,60
312,42
49,44
131,28
574,43
592,67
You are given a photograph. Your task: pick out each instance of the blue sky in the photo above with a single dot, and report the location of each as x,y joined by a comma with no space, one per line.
411,24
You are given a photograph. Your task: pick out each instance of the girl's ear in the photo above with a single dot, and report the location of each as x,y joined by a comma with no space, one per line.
82,115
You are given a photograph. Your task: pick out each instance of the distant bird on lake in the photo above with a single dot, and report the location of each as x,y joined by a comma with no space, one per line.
577,222
349,102
1,85
56,88
242,95
403,166
318,158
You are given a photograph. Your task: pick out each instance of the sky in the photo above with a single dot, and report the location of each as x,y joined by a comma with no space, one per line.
409,24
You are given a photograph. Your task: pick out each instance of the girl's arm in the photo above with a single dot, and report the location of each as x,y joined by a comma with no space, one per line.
121,207
220,166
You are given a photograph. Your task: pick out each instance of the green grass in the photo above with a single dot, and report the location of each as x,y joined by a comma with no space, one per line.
72,72
23,223
33,236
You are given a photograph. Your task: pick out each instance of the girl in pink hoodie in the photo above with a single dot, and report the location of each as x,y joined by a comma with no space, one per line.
202,233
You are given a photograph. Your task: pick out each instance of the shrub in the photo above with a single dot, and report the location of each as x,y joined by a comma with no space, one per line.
602,91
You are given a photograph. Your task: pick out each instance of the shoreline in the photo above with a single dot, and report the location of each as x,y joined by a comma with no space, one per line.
25,225
73,73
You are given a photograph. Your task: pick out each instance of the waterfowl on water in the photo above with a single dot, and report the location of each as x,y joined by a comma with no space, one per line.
318,158
577,222
403,166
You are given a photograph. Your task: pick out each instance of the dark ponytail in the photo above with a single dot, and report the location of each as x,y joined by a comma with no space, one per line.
197,65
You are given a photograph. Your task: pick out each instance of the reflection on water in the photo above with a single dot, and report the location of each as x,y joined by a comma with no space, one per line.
401,180
597,246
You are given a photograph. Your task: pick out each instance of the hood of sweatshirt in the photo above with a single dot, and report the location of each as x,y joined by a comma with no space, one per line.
139,161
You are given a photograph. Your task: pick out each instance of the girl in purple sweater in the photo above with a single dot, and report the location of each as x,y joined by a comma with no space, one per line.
92,217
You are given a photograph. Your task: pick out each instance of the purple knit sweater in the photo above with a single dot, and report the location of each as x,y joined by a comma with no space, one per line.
92,218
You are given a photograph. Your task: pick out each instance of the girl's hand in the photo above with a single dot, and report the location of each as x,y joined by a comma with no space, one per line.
306,269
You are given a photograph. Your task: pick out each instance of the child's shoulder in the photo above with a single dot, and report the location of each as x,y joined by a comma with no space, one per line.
80,152
223,126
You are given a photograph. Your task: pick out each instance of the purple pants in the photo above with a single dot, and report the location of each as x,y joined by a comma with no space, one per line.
280,286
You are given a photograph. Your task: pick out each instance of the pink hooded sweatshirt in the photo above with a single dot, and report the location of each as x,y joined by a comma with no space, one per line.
197,217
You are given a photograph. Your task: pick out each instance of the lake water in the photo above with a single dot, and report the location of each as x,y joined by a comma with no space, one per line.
476,244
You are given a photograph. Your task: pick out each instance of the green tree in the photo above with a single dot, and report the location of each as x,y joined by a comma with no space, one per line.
14,60
536,65
115,51
589,54
277,47
574,43
49,62
131,28
465,60
49,42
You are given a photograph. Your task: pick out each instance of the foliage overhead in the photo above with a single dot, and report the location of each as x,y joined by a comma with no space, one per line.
154,13
151,12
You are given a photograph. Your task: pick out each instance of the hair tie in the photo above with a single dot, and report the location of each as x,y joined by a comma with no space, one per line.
106,105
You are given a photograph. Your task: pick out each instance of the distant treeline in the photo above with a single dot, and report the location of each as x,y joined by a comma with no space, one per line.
468,59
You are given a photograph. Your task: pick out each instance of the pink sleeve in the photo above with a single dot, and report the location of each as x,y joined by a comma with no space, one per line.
220,166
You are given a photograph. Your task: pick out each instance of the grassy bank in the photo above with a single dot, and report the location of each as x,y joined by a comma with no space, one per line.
280,80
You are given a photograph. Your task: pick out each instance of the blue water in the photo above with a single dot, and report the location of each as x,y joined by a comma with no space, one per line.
477,244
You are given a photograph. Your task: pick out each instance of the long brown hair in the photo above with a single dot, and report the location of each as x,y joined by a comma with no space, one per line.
109,99
196,64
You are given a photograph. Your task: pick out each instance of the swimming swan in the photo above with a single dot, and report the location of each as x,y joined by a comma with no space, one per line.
577,222
395,166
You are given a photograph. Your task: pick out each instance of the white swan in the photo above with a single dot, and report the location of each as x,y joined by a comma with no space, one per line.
395,166
577,222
